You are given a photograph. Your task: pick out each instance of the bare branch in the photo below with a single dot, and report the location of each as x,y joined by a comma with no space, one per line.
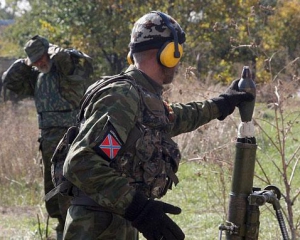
266,134
290,63
294,167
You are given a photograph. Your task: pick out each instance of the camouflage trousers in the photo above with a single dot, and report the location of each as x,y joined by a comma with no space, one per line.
85,223
58,205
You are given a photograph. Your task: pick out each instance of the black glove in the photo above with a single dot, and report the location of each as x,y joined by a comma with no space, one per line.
227,101
149,217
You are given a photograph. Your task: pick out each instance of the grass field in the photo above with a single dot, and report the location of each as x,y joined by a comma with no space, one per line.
204,173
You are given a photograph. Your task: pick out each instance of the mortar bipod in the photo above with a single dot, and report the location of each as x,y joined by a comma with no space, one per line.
271,194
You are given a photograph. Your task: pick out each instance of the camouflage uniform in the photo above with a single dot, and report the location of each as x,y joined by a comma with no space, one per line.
57,96
110,178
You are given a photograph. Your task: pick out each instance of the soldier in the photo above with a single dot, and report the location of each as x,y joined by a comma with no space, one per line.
56,78
123,158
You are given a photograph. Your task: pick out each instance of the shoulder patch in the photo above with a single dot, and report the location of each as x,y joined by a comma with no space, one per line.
110,144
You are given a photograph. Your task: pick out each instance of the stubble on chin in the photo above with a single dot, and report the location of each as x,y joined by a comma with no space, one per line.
169,74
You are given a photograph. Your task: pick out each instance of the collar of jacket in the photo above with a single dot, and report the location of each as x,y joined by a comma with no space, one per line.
144,80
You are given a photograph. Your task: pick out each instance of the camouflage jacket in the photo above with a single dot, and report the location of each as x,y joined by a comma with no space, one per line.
96,163
57,94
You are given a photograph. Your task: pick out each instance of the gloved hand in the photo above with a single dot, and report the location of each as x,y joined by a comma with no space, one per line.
149,217
227,101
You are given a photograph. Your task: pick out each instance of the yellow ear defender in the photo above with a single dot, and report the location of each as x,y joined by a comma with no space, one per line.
166,54
130,59
171,52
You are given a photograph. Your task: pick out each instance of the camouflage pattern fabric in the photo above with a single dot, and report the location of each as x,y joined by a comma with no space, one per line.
57,96
154,158
90,224
109,118
57,206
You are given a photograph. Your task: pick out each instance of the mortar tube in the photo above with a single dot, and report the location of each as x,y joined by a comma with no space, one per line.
242,185
239,213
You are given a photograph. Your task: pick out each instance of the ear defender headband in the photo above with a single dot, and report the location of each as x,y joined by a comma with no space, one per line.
170,53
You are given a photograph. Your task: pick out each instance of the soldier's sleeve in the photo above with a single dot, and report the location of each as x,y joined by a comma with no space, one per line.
74,78
190,116
62,60
20,78
109,119
75,65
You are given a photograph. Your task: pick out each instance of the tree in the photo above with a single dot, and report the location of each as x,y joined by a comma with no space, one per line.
221,35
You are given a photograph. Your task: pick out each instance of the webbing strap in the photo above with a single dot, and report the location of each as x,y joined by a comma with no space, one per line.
62,187
86,99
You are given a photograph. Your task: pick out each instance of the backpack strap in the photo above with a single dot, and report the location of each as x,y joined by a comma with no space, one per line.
88,96
62,187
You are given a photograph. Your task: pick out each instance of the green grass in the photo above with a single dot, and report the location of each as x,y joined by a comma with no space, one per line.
202,204
198,194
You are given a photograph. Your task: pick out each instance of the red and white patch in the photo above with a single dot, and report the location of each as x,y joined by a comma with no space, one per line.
110,146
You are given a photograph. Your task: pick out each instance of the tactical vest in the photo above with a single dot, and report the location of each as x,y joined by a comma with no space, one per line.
57,106
53,110
149,158
150,163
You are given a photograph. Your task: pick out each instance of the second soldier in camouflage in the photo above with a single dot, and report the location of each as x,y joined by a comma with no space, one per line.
56,78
